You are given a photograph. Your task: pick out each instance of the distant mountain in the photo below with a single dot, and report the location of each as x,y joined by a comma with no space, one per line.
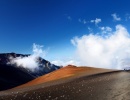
45,67
11,75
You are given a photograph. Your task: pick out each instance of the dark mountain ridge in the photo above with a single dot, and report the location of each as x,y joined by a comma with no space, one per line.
11,75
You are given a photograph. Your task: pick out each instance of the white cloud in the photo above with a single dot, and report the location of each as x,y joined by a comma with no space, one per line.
115,17
96,21
92,21
38,50
65,62
29,62
105,29
112,51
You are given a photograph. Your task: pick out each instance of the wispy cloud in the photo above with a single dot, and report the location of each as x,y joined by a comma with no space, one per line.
105,29
90,30
127,17
116,17
82,21
96,21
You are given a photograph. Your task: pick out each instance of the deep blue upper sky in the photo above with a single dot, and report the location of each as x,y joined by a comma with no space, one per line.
53,23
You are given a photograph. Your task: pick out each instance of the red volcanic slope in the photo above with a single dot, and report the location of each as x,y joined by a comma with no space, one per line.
63,73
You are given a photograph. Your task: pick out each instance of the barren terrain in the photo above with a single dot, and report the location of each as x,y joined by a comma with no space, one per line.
73,83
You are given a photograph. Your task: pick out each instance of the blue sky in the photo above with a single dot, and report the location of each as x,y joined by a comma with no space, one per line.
53,23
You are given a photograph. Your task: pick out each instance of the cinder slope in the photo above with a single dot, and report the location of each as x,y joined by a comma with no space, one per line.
64,72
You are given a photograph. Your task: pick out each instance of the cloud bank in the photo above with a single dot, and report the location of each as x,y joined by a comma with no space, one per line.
109,50
30,62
